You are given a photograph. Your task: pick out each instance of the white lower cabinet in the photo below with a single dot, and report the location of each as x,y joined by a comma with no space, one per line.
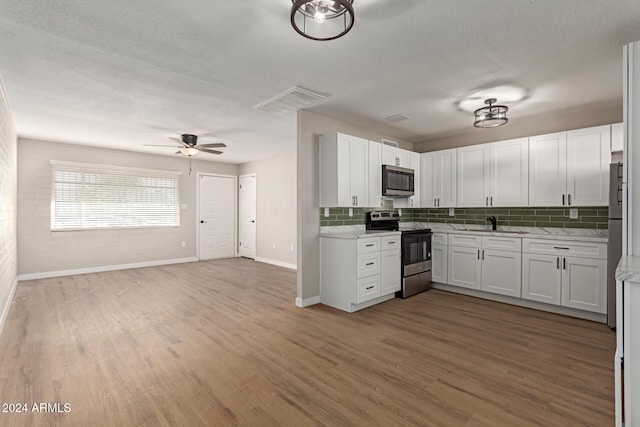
439,255
562,278
358,273
487,263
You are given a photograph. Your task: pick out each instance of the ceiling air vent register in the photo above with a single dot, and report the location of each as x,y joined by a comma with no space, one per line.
292,99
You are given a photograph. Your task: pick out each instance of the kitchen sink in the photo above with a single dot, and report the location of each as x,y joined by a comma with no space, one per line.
496,231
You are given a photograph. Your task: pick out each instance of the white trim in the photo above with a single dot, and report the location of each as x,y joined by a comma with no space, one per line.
567,311
235,210
112,167
278,263
7,305
307,301
98,269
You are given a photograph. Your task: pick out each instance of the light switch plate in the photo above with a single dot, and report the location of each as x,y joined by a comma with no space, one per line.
573,213
183,206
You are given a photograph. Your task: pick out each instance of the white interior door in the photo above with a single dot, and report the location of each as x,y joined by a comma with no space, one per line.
247,208
217,212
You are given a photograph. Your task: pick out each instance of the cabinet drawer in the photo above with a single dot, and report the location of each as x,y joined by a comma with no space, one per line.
565,247
368,265
389,242
367,288
467,240
502,243
439,238
369,244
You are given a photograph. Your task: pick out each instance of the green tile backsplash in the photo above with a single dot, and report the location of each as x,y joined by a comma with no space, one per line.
588,217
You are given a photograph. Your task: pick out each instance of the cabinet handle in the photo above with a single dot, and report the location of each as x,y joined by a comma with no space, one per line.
564,263
483,254
438,201
619,195
435,202
491,200
558,263
478,253
369,245
370,263
563,200
393,242
486,202
560,247
620,170
569,199
356,200
370,287
381,201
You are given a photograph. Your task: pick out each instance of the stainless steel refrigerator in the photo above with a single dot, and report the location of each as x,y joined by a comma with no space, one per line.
614,250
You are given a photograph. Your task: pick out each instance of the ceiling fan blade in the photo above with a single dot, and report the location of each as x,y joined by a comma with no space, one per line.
179,141
208,151
178,152
217,144
154,145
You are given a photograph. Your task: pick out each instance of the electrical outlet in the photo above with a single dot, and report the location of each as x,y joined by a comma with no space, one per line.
452,212
326,212
274,245
292,247
573,213
350,211
183,206
399,212
184,244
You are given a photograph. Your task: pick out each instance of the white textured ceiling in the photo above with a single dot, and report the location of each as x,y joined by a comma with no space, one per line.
121,74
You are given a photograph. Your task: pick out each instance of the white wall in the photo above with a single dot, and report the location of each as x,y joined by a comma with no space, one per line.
310,127
42,251
8,206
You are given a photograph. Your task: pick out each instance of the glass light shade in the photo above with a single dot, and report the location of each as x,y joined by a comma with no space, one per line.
189,151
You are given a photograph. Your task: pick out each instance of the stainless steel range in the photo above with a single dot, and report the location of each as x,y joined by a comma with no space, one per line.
416,251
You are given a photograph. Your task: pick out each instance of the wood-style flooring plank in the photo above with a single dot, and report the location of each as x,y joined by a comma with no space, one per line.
220,343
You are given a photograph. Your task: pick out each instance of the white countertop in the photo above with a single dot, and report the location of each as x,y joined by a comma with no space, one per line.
571,234
628,269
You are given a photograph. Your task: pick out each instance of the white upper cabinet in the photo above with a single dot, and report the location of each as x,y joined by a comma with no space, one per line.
375,175
438,180
509,174
395,156
548,169
493,174
344,170
473,176
570,168
588,158
617,137
404,158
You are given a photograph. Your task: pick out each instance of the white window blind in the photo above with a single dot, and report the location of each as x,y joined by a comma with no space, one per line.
86,196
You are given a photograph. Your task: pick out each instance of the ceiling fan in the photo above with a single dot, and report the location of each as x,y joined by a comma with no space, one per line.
188,145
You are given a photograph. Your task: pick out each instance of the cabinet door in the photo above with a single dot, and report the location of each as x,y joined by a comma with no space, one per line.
588,158
403,158
584,284
439,263
448,178
464,267
502,272
548,169
391,277
473,176
414,160
389,155
428,179
359,170
541,278
509,174
617,137
375,175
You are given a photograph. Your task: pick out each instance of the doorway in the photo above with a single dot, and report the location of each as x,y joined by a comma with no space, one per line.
216,216
247,208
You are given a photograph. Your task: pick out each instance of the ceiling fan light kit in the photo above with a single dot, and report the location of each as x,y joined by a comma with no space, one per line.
322,19
491,116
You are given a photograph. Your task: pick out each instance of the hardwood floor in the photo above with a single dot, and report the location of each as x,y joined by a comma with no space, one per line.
220,343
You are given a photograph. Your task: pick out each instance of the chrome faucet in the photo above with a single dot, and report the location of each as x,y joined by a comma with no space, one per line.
494,222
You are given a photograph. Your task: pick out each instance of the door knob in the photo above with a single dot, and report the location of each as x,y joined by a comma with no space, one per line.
253,221
203,222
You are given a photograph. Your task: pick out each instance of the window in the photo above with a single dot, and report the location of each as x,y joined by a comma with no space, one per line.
88,196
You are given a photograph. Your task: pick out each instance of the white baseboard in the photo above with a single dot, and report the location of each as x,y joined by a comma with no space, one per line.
278,263
307,301
7,305
48,274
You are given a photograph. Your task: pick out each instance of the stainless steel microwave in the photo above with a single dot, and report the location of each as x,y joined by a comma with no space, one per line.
397,181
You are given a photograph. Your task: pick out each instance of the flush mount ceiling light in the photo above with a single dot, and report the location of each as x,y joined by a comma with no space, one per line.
491,116
322,19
